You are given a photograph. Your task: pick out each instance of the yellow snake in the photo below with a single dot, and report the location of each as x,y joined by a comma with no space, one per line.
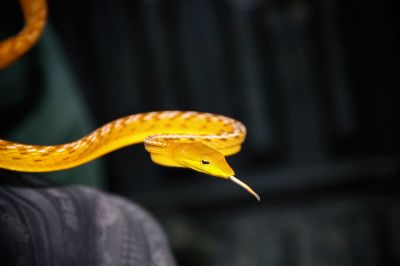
199,141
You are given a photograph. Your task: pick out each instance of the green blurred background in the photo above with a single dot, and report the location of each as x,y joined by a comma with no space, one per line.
315,82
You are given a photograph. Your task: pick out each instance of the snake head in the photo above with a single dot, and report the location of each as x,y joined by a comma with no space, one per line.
202,158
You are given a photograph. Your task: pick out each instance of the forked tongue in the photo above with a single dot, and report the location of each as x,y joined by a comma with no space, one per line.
245,186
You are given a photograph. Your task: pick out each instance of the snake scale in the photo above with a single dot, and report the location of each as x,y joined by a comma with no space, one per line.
188,139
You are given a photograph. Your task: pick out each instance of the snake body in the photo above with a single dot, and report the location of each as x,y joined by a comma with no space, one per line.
199,141
161,133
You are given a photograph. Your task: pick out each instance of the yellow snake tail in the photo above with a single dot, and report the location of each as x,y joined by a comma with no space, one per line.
35,14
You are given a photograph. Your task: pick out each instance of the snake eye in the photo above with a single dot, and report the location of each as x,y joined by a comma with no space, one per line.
205,162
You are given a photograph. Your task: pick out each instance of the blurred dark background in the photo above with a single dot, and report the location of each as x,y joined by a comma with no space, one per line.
315,82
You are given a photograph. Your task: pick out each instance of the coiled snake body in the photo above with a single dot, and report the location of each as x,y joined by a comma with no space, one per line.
199,141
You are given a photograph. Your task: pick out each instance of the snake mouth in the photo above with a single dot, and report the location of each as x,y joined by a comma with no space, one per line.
214,171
